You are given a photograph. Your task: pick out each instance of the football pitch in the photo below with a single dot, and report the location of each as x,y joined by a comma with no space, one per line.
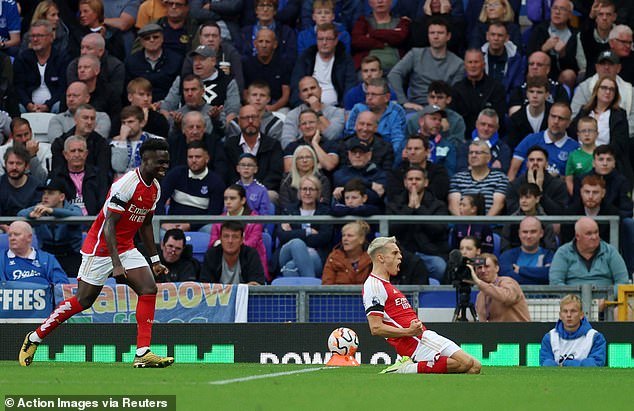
307,388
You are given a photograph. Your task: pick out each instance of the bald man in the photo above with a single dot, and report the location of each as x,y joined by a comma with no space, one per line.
23,262
366,129
587,259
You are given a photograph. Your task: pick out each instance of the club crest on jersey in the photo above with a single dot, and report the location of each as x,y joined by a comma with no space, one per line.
204,190
140,198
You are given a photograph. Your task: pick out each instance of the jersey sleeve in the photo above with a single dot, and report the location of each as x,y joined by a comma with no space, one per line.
121,192
374,298
158,195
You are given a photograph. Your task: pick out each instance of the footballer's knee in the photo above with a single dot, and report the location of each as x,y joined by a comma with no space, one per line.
147,289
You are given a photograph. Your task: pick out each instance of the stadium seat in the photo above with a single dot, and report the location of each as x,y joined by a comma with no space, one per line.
497,245
39,125
199,242
296,281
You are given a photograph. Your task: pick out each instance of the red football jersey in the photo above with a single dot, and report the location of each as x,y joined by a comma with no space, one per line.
382,299
134,200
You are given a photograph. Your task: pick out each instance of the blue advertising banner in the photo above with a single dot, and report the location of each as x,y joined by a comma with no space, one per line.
187,302
22,301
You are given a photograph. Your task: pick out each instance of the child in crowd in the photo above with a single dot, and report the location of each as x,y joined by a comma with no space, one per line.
473,204
323,12
355,201
580,160
257,194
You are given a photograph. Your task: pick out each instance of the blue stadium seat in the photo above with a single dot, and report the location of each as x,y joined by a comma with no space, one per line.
296,281
199,242
497,245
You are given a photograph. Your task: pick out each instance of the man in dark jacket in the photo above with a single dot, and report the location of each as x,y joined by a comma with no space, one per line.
176,255
232,262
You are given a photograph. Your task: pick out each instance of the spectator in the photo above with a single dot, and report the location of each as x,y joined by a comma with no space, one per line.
487,128
480,178
349,263
473,205
593,40
103,97
257,194
86,184
529,263
48,10
331,118
21,262
587,259
268,64
329,64
503,61
258,95
303,163
346,12
193,95
420,66
122,16
10,31
39,155
381,34
92,20
354,202
573,342
554,139
496,11
470,247
304,247
40,90
441,151
149,11
231,261
179,26
580,161
428,241
225,12
176,256
140,95
192,189
61,240
532,116
371,68
158,65
620,40
390,115
426,12
323,13
365,129
18,189
235,200
326,151
500,298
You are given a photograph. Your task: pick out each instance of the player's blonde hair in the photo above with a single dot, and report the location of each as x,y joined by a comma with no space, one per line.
378,244
571,299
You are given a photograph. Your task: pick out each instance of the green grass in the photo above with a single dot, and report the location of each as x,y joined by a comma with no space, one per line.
352,388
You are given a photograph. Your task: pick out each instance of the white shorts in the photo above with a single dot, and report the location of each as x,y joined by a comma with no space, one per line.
433,344
96,270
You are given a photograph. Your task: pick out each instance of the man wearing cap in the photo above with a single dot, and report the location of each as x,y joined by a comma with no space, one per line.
441,151
361,166
608,64
594,38
153,62
365,129
62,240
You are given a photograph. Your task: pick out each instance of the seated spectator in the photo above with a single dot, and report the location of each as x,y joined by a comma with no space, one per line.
149,11
125,146
231,261
612,122
354,201
587,259
381,34
331,118
330,65
91,18
487,130
227,15
390,115
411,76
492,184
40,154
371,68
86,184
361,167
554,139
326,150
532,117
176,256
593,37
428,241
620,40
191,189
528,263
193,94
61,240
346,12
257,194
10,31
500,298
530,196
76,95
442,151
235,199
179,26
140,95
45,10
323,13
18,189
554,198
503,61
258,95
304,163
102,96
22,262
573,342
473,205
304,247
427,11
365,130
349,263
580,161
500,12
470,247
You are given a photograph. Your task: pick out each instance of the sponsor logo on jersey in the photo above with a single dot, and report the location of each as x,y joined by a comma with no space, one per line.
137,214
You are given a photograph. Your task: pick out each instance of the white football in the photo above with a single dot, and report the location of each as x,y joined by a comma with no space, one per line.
343,341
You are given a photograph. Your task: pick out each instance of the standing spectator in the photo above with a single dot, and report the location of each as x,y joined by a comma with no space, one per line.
22,262
176,255
348,263
500,298
323,13
573,342
18,189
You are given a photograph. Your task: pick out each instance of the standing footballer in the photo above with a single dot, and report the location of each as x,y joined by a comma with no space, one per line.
109,249
390,315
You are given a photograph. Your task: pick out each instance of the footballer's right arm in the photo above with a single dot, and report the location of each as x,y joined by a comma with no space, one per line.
109,232
378,328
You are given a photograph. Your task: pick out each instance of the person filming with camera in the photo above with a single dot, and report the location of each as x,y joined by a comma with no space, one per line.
500,298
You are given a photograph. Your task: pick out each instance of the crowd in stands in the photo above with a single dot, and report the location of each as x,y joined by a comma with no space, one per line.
328,107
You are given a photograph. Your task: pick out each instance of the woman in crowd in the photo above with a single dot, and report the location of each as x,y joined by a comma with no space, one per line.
91,19
303,163
348,263
327,151
473,205
495,11
48,10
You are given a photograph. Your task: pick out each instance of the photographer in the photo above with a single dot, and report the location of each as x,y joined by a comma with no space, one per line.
500,298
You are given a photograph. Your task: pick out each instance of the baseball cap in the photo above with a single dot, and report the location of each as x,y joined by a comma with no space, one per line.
356,144
53,184
433,109
203,50
149,29
608,55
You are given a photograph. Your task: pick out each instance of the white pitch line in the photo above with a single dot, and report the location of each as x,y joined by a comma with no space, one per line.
257,377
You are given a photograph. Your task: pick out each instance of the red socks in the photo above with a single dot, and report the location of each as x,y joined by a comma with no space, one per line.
61,313
144,318
438,367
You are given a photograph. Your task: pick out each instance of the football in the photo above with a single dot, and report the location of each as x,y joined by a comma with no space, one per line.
343,341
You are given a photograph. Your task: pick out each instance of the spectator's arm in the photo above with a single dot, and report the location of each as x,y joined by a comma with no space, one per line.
558,269
498,204
454,203
546,356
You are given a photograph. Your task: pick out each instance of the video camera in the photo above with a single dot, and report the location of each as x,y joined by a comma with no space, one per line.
457,270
